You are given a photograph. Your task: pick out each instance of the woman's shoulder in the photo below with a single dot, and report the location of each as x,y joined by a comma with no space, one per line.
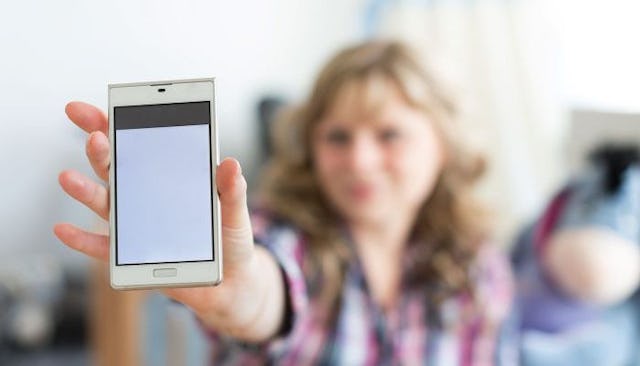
275,232
492,279
265,221
491,259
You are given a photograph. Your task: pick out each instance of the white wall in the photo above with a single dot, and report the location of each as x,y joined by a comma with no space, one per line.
52,52
599,54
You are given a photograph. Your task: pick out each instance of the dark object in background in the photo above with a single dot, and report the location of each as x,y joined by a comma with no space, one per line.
44,322
71,312
268,109
616,159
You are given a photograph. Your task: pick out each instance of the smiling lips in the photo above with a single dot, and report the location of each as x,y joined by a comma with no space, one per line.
361,191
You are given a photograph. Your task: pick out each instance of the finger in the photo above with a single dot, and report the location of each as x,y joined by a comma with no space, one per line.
87,117
97,150
91,244
236,225
232,188
86,191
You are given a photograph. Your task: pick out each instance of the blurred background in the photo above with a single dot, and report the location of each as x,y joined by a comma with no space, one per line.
542,82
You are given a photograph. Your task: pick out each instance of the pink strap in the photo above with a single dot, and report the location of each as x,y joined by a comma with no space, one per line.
548,221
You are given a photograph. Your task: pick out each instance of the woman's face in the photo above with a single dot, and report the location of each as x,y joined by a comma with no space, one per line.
376,157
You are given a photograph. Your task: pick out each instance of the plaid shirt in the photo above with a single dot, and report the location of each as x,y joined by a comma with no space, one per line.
365,335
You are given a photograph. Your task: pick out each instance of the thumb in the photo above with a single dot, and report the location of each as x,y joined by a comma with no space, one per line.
237,235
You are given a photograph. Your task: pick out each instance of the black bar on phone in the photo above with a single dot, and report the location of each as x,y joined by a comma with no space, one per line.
161,115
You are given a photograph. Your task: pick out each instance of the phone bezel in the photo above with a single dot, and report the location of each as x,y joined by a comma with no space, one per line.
189,274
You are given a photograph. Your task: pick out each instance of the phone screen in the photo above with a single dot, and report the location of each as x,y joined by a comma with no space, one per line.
163,183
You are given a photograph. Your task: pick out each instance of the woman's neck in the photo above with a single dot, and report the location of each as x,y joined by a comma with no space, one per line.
389,236
381,246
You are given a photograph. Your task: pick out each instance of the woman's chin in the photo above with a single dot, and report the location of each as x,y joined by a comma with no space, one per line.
367,214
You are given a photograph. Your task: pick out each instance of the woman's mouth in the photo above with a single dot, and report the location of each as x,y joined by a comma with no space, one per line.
361,192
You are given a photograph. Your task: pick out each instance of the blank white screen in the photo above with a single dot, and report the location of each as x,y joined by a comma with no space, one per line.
163,188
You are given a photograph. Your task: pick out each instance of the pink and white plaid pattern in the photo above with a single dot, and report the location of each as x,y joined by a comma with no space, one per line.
363,334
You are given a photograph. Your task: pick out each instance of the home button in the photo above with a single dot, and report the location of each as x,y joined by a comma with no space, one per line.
165,272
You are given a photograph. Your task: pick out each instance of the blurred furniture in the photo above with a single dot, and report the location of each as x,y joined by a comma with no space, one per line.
43,312
115,321
590,128
142,327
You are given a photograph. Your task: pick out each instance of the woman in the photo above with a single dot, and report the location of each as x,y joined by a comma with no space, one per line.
371,248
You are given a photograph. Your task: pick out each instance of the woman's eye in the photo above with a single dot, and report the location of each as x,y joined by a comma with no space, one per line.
338,137
389,135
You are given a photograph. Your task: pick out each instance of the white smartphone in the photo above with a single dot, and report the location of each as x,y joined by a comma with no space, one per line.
165,212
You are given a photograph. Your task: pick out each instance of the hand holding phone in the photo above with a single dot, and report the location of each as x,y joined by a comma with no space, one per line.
249,304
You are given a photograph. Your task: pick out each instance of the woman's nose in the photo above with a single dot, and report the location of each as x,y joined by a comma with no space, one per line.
364,154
